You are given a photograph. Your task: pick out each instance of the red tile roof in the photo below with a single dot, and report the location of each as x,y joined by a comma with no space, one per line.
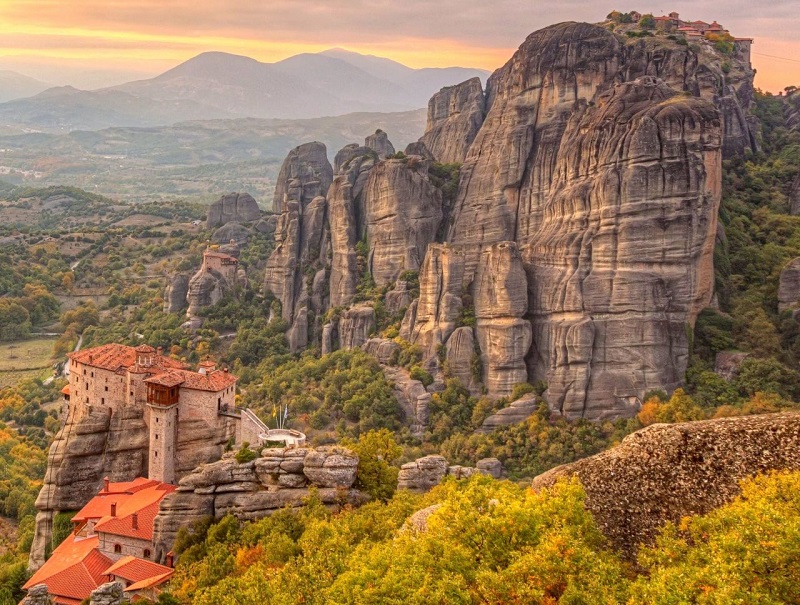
221,255
150,582
100,506
166,379
143,503
135,570
115,357
74,570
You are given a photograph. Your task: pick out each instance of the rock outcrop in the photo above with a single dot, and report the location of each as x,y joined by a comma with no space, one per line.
789,286
425,473
455,115
412,396
403,213
111,593
516,412
727,363
37,595
175,293
280,477
666,472
233,208
356,326
208,287
102,444
379,143
302,238
305,174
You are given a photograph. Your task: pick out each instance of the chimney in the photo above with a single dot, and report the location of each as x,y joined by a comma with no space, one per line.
225,370
135,520
106,485
113,509
160,351
170,559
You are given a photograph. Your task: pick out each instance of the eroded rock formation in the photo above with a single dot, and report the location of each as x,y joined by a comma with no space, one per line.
305,174
175,293
379,143
455,115
516,412
233,208
279,477
666,472
403,212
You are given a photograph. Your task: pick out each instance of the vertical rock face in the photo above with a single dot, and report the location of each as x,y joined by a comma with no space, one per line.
305,174
379,143
433,318
347,225
455,115
460,353
789,286
355,326
175,294
301,239
403,212
501,301
621,261
233,208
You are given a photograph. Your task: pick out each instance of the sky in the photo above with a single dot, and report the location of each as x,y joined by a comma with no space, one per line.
94,43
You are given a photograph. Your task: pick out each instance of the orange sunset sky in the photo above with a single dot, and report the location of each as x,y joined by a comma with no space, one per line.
93,43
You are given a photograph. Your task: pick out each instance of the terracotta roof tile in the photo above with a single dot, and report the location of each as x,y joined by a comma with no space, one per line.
134,569
115,356
167,379
74,570
150,582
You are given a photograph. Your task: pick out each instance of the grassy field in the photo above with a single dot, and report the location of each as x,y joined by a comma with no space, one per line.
25,359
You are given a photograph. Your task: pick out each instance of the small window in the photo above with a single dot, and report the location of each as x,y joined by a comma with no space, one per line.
103,401
131,393
84,371
92,374
117,548
156,435
106,389
156,420
156,454
146,553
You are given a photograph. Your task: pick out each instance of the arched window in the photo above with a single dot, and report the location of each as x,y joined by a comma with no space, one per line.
117,548
146,553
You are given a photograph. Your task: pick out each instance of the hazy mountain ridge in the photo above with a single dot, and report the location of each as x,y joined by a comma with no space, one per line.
217,85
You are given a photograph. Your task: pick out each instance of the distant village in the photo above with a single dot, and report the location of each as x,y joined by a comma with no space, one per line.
691,30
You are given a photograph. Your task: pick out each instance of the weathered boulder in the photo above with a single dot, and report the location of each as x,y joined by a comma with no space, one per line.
111,593
490,466
331,467
455,115
666,472
356,325
384,350
37,595
379,143
330,337
403,212
175,293
789,286
516,412
422,474
233,208
727,363
305,174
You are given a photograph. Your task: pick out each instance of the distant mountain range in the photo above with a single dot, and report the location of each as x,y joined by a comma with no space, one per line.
217,85
14,85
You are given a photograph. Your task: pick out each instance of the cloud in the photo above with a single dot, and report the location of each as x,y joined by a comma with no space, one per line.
481,33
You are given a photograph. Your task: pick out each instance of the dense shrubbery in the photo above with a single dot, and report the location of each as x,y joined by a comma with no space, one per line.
494,542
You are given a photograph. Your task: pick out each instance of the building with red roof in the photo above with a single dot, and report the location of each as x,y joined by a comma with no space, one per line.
112,540
116,376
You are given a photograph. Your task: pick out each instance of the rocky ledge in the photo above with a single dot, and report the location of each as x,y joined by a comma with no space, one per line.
666,472
279,477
